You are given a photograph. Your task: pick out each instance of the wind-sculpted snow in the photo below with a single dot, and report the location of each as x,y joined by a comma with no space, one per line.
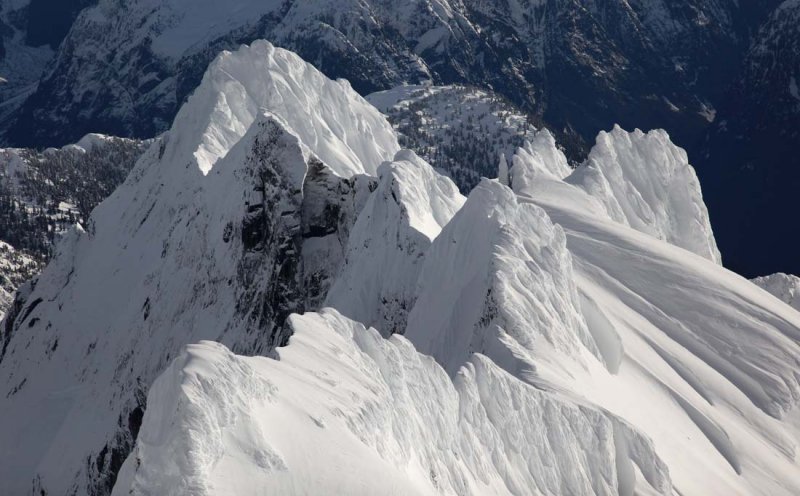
345,411
388,242
229,223
498,281
340,127
697,350
540,155
646,182
785,287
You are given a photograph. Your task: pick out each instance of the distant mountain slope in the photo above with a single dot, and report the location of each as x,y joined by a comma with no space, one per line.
43,194
21,63
125,68
459,130
749,163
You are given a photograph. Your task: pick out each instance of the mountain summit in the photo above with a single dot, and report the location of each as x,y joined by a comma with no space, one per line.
280,299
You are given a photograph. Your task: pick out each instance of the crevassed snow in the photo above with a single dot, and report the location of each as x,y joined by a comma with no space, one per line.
339,126
388,241
345,411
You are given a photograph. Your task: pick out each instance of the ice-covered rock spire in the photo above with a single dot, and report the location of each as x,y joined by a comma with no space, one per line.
502,171
652,187
540,157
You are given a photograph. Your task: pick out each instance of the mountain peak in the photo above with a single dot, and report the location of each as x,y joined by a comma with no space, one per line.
240,85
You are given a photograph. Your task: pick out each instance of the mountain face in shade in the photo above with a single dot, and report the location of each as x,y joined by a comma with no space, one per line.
44,193
280,299
126,67
749,165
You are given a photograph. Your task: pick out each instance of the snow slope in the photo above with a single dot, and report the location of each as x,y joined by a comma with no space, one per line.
402,217
345,411
497,281
698,350
230,222
641,180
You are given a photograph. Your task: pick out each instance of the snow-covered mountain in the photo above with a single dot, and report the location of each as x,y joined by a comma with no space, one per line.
126,67
692,67
541,341
663,200
750,161
230,222
461,131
